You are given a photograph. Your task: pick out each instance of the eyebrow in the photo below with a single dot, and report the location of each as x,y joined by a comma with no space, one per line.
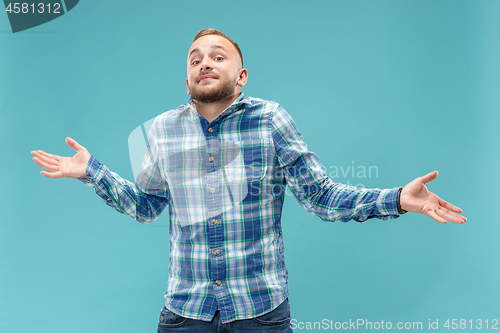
213,47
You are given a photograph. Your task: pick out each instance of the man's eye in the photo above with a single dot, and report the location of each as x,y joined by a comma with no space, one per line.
195,62
219,58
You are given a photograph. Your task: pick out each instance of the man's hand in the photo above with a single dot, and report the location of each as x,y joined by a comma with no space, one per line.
61,166
417,199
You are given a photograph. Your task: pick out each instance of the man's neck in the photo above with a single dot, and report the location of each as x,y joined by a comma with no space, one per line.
210,111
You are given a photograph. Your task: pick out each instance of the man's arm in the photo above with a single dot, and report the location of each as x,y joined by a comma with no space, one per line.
333,201
143,201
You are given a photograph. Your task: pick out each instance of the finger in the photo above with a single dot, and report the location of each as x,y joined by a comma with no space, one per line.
448,216
73,144
447,205
56,157
429,177
46,166
45,159
436,217
51,174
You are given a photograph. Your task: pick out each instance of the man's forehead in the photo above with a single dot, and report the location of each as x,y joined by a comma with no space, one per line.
211,42
212,47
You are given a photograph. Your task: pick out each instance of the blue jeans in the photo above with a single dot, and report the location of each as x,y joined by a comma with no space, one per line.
277,321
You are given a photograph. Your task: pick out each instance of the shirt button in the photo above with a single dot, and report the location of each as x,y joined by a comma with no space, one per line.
210,129
217,282
216,252
89,179
214,221
212,190
109,199
211,158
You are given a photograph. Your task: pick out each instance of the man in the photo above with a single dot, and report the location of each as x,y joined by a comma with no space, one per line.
221,163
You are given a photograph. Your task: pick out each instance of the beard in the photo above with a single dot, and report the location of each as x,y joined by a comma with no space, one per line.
225,89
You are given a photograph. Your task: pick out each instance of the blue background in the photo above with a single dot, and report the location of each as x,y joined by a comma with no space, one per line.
405,86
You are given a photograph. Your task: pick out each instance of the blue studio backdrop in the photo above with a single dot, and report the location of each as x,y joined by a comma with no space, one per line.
383,91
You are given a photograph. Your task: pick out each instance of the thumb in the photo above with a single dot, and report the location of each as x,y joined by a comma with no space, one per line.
429,177
73,144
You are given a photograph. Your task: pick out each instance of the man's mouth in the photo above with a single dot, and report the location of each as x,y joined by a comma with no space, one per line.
207,77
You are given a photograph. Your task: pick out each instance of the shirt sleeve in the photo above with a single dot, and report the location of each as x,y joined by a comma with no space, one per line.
145,199
317,193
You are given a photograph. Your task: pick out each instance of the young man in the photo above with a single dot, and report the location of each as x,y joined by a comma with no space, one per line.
221,163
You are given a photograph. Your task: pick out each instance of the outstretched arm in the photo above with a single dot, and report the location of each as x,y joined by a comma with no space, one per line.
61,166
417,199
143,201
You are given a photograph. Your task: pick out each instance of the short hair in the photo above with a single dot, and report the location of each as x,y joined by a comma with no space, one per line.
207,32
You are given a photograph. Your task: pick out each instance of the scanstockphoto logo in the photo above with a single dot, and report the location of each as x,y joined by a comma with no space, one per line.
28,14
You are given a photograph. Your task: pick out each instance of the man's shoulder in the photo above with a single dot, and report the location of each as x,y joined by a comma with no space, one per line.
271,108
262,107
173,113
259,102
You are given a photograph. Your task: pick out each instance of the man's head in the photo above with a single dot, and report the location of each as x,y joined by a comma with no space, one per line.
214,67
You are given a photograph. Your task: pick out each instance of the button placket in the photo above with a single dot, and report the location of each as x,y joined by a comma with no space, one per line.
214,200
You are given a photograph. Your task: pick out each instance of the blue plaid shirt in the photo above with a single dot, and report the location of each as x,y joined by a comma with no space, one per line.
224,183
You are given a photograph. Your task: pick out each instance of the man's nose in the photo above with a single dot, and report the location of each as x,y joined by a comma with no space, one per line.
205,64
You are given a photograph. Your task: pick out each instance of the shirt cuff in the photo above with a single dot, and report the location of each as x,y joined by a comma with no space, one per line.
387,203
93,166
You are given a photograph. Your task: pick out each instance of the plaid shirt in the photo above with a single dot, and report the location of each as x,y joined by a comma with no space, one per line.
224,183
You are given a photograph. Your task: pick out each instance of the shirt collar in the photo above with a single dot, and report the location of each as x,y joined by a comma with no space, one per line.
242,99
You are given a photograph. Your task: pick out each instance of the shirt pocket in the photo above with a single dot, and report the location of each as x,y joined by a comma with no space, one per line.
244,161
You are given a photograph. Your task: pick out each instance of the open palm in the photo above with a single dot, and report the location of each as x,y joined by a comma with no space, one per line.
60,166
416,198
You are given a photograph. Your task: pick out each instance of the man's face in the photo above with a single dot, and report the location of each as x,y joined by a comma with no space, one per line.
214,70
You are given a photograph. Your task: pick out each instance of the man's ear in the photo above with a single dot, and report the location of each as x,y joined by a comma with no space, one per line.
242,78
187,87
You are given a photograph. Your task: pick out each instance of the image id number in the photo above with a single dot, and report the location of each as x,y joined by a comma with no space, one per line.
478,324
33,8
